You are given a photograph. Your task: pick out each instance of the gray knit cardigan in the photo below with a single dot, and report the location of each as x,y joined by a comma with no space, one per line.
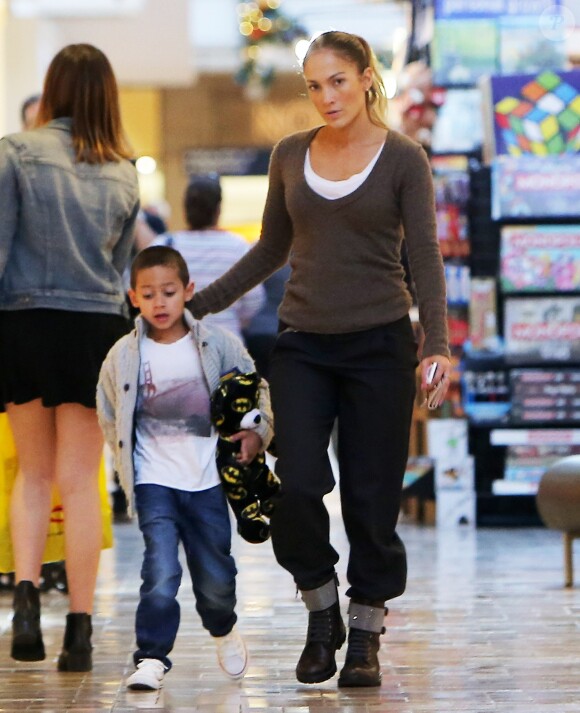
220,352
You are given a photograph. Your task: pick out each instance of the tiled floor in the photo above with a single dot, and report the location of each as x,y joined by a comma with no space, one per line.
485,625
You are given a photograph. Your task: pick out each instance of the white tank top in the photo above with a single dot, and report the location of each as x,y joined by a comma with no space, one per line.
337,189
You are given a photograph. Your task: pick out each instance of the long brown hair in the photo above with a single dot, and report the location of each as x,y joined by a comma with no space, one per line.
356,50
80,84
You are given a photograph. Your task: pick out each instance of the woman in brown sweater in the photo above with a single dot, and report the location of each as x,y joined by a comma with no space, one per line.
341,199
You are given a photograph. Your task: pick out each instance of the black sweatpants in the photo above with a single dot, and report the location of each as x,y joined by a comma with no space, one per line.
367,380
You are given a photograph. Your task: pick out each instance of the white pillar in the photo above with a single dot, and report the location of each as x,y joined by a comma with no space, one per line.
26,47
3,21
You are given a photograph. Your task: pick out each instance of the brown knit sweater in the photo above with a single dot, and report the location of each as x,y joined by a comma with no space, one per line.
345,253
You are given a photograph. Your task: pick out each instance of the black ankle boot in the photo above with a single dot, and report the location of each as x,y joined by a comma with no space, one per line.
76,650
361,665
326,634
27,644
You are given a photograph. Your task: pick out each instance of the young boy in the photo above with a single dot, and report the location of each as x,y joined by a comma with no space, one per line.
153,401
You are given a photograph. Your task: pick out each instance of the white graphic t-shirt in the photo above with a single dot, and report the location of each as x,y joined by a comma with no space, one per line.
175,441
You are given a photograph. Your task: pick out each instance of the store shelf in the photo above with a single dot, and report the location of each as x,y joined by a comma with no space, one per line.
507,511
503,487
532,436
512,450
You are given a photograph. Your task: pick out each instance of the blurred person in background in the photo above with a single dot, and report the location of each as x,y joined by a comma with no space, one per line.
69,201
261,332
53,574
29,111
210,251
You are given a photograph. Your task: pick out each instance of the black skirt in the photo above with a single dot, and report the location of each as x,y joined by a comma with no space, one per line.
54,355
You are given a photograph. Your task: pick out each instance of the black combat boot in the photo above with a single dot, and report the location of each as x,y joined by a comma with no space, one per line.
76,654
27,644
326,634
361,667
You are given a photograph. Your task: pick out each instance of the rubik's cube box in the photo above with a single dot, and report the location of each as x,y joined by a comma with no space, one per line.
536,114
533,142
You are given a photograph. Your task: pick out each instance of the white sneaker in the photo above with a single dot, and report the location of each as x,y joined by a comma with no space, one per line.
232,654
148,676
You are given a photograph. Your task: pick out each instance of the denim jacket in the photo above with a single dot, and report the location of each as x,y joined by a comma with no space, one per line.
220,352
66,227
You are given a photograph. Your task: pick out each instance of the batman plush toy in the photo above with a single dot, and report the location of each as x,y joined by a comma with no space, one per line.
249,488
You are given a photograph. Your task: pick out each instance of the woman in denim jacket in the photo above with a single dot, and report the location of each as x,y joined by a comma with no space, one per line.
68,201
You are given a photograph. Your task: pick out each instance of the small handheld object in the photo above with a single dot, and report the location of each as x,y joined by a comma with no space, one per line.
432,399
250,488
431,371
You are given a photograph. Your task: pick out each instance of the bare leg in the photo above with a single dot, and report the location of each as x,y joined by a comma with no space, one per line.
79,452
34,430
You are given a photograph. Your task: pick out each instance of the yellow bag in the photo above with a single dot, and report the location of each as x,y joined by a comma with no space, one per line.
54,551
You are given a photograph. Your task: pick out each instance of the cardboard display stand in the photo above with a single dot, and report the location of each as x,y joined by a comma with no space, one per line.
54,551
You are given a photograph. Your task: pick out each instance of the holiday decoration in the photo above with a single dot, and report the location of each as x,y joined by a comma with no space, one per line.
266,30
537,114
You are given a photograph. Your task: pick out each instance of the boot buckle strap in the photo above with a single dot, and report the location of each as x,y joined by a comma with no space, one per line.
361,616
321,597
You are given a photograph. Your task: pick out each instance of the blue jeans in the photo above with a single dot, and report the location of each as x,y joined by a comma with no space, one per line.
200,520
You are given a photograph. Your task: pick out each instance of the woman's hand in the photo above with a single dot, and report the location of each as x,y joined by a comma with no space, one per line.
439,381
250,444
